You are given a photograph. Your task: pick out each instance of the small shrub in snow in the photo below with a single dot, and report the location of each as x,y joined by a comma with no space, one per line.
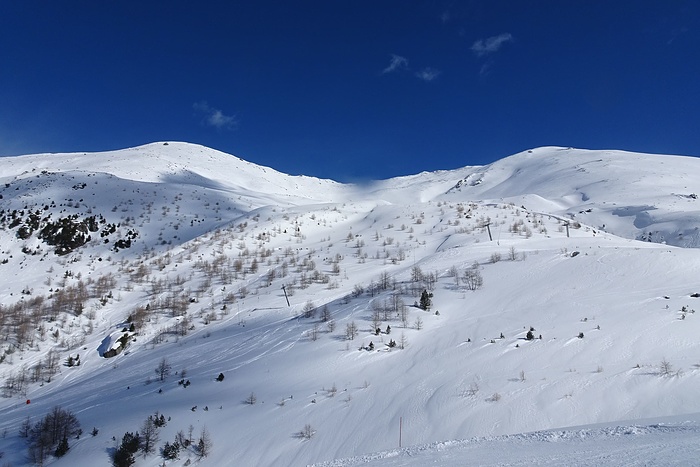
665,368
512,254
314,331
351,330
251,399
307,432
325,314
472,279
309,309
403,341
333,391
418,323
159,419
163,369
171,451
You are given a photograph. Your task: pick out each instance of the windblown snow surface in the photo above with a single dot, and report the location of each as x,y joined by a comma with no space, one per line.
596,251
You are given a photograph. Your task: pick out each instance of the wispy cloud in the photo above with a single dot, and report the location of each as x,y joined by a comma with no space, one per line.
215,117
397,63
490,45
428,74
485,69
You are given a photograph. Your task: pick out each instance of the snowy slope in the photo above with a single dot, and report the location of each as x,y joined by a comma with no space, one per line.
175,164
214,240
633,195
668,441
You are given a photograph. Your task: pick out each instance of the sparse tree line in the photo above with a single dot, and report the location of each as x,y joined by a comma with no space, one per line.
73,298
43,371
388,302
22,322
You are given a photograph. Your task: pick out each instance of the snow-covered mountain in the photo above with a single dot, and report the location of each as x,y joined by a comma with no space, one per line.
161,267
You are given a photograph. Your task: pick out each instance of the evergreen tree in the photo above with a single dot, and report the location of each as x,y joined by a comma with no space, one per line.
122,457
62,447
171,451
425,300
131,442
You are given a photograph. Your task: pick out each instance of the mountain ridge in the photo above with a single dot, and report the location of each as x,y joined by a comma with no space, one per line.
218,277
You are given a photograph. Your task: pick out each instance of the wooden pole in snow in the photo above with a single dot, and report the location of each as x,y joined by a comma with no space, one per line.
400,429
285,295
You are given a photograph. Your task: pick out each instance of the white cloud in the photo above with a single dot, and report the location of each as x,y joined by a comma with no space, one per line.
397,63
486,68
490,45
215,117
401,63
428,74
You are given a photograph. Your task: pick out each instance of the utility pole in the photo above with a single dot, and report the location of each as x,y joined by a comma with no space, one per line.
400,429
285,295
567,228
489,229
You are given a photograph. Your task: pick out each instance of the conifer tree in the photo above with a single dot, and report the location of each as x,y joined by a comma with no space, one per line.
425,300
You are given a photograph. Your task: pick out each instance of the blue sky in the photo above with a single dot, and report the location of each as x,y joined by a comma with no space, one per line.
351,90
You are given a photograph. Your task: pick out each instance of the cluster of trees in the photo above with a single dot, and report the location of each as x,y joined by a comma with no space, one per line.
50,436
146,440
65,233
73,298
471,277
225,268
24,322
43,370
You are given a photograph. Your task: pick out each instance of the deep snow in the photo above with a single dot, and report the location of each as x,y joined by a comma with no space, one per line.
198,212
